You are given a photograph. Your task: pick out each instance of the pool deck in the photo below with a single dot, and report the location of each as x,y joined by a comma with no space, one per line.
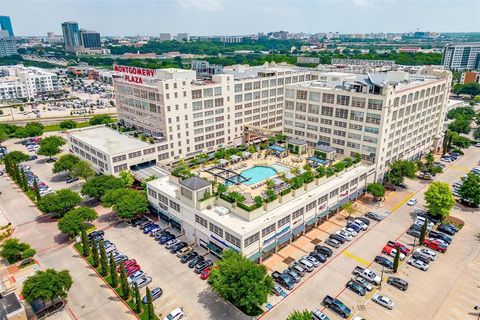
257,159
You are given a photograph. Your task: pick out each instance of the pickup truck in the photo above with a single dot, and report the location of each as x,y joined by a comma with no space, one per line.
336,306
283,280
367,274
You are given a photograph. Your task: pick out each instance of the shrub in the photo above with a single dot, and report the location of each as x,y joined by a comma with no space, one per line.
339,166
320,171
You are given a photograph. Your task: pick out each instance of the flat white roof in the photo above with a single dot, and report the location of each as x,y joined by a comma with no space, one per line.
165,185
108,140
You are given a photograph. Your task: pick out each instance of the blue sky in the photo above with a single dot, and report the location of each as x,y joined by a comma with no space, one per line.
217,17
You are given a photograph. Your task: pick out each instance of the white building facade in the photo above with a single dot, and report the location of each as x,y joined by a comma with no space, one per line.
17,82
461,56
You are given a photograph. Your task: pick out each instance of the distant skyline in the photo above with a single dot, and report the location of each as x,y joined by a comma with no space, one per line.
231,17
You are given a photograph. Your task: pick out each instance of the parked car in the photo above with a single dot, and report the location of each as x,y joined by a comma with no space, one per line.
118,257
307,264
392,252
374,216
421,257
318,315
337,237
347,235
353,226
95,234
178,246
367,285
319,256
135,275
147,229
440,237
195,261
167,238
184,251
295,276
312,260
364,220
356,287
176,314
413,232
383,301
156,293
403,248
142,281
367,274
384,262
446,229
132,269
412,202
324,250
418,264
277,290
283,279
188,257
72,179
333,243
431,254
138,221
298,269
337,306
362,225
397,282
203,265
205,273
171,243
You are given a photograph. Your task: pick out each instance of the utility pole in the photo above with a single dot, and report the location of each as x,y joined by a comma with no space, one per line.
381,279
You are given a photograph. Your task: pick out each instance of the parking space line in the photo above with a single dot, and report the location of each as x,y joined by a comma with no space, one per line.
354,257
402,202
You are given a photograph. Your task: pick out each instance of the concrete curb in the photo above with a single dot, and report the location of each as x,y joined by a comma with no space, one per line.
105,281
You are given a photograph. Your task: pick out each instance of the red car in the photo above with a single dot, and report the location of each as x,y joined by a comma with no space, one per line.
435,245
128,263
132,269
403,248
205,274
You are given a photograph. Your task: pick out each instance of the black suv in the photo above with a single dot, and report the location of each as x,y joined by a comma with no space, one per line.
397,282
337,237
324,250
384,262
356,287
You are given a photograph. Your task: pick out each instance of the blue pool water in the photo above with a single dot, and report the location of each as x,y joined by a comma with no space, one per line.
256,174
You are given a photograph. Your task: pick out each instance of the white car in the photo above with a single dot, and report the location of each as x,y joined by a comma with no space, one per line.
412,202
367,285
429,253
351,231
362,225
175,314
171,243
418,264
136,275
312,260
344,234
383,301
393,252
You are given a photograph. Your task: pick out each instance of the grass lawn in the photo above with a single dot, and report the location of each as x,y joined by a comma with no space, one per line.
56,127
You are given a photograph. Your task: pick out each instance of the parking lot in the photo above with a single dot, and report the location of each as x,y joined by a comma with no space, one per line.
181,286
431,295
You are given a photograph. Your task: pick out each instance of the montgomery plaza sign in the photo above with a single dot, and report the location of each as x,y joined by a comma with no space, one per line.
134,74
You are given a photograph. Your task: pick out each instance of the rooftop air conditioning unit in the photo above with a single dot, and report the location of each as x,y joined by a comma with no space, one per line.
221,211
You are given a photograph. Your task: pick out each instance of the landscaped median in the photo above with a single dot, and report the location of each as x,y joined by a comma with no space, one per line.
129,298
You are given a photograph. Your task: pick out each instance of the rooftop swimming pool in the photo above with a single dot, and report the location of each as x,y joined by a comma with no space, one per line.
259,173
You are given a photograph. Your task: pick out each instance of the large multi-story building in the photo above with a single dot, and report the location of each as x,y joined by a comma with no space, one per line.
191,116
6,25
382,116
7,44
90,39
165,36
461,56
71,36
19,82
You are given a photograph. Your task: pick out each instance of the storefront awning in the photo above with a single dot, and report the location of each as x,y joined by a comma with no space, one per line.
298,229
311,221
269,247
254,256
284,238
322,214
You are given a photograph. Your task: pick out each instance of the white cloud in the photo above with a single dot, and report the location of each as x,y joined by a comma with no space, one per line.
202,5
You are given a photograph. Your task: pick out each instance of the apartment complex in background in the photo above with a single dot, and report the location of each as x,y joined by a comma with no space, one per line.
165,36
71,36
461,56
19,82
90,39
191,116
382,116
470,76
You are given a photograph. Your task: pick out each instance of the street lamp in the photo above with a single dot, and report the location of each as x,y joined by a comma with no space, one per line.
414,243
381,278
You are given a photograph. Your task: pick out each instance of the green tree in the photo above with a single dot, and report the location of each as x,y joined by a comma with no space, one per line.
65,163
439,199
396,260
461,113
376,189
241,281
103,259
23,180
97,186
471,89
459,141
47,285
3,136
67,124
13,250
349,208
113,272
460,126
470,189
95,255
100,119
476,134
124,282
150,311
85,246
31,129
300,315
83,169
59,202
399,170
126,203
138,300
423,231
50,146
36,190
126,177
16,157
73,222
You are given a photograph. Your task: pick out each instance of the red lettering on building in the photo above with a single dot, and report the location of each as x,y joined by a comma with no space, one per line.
134,70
